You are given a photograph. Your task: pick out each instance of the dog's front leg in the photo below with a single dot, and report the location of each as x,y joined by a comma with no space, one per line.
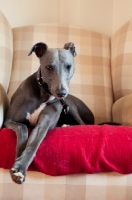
47,120
21,133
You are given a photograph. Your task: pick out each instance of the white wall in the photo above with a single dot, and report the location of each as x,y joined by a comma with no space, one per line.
122,12
104,16
92,14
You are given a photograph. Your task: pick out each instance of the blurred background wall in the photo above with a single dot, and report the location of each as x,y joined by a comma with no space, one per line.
92,14
122,12
104,16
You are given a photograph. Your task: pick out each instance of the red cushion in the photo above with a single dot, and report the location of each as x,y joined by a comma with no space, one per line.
76,149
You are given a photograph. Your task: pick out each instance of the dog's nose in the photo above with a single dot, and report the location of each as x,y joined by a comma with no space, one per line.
61,94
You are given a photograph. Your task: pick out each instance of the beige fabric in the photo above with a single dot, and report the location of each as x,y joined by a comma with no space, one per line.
102,186
4,103
122,61
6,51
122,110
92,79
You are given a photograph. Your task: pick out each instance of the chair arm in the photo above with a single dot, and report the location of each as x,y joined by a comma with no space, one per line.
4,104
122,110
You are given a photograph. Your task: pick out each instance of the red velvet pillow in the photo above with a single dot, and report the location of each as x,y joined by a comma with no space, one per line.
76,149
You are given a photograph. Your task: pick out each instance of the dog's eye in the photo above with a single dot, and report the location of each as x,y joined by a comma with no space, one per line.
68,67
49,67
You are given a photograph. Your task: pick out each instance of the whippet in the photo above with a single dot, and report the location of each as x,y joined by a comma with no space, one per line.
42,102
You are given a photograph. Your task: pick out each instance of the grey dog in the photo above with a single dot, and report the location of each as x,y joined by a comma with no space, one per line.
42,102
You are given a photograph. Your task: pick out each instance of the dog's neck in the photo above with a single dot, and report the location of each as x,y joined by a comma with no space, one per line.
43,84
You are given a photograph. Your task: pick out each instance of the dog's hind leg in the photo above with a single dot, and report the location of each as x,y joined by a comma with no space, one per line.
79,110
71,118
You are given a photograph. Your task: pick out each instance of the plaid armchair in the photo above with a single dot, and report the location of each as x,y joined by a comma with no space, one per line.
102,80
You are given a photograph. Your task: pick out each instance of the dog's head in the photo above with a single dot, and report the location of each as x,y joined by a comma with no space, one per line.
57,67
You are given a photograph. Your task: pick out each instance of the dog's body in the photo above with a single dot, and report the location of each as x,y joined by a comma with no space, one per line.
38,105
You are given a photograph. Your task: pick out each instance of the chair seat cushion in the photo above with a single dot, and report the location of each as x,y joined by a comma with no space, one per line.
76,149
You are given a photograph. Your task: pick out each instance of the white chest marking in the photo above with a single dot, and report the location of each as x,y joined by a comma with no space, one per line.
33,118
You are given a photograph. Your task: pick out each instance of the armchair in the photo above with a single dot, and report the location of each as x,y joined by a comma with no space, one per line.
96,81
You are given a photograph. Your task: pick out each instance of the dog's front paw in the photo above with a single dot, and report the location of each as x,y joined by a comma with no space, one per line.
17,176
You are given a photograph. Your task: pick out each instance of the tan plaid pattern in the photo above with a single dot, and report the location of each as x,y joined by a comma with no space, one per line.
4,103
102,186
122,61
122,110
6,51
92,79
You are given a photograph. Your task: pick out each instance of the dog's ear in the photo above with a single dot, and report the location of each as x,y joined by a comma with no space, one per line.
39,49
70,46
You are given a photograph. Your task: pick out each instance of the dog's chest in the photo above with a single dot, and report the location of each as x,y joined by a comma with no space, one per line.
33,117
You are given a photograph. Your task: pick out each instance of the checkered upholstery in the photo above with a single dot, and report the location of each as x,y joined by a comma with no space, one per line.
6,51
91,81
122,110
122,74
39,186
122,61
4,104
